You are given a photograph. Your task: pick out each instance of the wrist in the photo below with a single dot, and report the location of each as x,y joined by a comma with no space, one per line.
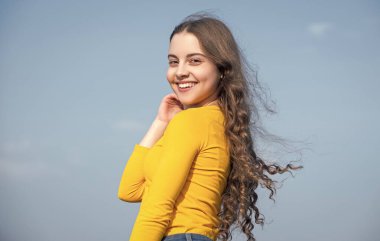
160,122
154,133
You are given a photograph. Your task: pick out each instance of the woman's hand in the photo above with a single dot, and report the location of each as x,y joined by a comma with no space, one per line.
169,107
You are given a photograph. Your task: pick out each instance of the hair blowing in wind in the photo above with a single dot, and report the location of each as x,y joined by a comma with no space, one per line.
240,96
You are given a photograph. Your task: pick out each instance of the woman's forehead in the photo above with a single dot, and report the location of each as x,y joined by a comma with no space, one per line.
185,43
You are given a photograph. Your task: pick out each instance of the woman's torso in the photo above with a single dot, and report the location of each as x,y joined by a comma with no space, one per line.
198,203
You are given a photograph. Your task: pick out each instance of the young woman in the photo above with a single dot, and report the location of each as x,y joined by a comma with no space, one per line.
196,169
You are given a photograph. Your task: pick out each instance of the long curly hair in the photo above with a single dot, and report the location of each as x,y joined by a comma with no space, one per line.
240,96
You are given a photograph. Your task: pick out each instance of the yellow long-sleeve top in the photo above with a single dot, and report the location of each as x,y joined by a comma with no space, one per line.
181,178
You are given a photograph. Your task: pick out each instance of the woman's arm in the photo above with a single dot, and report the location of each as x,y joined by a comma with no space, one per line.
132,183
169,107
184,137
154,133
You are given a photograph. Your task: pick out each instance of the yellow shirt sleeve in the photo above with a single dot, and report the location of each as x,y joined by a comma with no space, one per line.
132,183
182,141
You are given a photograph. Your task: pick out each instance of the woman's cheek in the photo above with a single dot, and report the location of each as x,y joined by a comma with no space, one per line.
170,76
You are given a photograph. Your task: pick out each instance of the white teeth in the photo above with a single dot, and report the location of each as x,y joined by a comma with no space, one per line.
186,85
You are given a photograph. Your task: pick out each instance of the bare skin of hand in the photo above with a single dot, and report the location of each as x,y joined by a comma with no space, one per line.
169,107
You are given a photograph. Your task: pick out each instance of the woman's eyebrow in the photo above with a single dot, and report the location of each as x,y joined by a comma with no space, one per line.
187,56
172,56
192,54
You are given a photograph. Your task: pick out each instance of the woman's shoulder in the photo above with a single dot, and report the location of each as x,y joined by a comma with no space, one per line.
194,123
198,115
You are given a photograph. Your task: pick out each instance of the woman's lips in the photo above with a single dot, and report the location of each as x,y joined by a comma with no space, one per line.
193,84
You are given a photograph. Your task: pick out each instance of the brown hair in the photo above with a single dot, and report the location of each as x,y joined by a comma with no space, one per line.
239,104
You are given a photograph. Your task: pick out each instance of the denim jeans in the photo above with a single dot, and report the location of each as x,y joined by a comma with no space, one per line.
186,237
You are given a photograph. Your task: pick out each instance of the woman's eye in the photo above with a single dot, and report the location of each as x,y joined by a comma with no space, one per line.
173,62
195,61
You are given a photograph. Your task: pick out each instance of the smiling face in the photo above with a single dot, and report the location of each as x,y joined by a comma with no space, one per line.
193,77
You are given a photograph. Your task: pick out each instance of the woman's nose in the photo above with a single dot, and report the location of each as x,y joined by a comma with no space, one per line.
182,71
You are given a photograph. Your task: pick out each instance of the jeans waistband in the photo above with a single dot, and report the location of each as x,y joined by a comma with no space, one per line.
186,237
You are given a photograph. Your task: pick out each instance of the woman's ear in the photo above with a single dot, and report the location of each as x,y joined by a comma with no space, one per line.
221,71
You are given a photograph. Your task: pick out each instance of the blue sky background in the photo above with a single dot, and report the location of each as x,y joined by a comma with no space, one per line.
81,81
